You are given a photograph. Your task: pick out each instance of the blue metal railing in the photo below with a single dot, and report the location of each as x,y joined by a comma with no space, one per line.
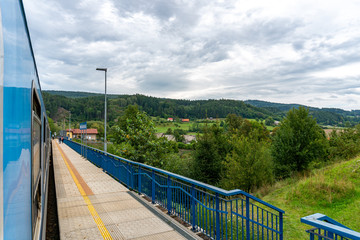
327,228
215,212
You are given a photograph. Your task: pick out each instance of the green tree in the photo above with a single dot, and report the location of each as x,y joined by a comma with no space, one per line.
298,142
249,165
169,131
135,139
99,125
269,121
210,151
243,127
179,135
53,126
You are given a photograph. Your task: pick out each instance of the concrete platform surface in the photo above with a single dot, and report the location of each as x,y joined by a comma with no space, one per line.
92,205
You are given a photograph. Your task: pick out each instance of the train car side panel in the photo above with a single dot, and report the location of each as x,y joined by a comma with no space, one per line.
19,77
1,128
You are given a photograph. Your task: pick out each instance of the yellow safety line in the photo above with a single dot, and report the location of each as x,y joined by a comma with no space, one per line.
104,232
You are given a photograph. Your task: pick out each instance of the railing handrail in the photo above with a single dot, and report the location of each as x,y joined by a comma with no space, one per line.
322,221
189,180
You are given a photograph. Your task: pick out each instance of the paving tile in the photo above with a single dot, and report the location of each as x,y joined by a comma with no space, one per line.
129,215
73,211
143,227
71,224
172,235
110,197
83,234
123,216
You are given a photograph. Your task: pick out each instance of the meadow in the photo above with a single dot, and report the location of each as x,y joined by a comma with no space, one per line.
333,190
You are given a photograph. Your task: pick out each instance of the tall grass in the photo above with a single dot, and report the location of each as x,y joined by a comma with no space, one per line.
333,190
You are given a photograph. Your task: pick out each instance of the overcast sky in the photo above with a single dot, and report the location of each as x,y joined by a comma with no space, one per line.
298,51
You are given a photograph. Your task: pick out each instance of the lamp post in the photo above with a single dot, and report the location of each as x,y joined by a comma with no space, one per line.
105,144
69,124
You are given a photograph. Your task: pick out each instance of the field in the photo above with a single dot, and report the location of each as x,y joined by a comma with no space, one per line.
161,125
333,191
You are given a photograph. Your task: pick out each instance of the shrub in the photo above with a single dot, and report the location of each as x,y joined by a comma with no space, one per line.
345,144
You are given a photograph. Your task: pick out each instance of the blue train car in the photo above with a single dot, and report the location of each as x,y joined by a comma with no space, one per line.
24,131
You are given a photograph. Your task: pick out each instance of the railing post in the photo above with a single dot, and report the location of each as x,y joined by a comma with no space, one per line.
102,161
281,237
128,174
132,176
247,218
217,217
139,179
169,195
330,234
193,207
153,187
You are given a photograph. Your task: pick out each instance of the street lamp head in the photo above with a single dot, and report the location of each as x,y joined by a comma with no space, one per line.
101,69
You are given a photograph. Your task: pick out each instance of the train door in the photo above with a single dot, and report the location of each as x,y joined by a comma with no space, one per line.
36,165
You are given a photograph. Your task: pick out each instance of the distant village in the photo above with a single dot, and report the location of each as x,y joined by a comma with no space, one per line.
92,134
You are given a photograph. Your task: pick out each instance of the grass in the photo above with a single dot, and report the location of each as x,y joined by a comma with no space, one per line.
163,127
333,191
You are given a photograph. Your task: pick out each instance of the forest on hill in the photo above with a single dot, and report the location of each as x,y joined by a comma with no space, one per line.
90,106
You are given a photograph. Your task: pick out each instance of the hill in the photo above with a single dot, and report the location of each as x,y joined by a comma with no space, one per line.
325,116
86,106
91,106
70,94
333,191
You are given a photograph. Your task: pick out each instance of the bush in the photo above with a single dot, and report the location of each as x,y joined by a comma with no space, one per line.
345,144
179,165
182,145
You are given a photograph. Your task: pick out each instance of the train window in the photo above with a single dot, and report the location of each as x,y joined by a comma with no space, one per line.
36,105
36,161
36,149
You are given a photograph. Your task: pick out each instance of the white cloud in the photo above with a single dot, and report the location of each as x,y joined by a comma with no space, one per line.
300,51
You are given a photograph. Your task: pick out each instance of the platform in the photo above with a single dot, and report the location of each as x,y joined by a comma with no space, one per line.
92,205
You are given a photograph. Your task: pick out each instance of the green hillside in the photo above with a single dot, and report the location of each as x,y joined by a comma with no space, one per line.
333,191
325,116
89,106
70,94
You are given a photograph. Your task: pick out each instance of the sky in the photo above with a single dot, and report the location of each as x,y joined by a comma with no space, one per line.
298,51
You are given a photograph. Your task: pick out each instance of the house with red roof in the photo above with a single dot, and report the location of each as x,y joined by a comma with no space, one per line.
90,134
